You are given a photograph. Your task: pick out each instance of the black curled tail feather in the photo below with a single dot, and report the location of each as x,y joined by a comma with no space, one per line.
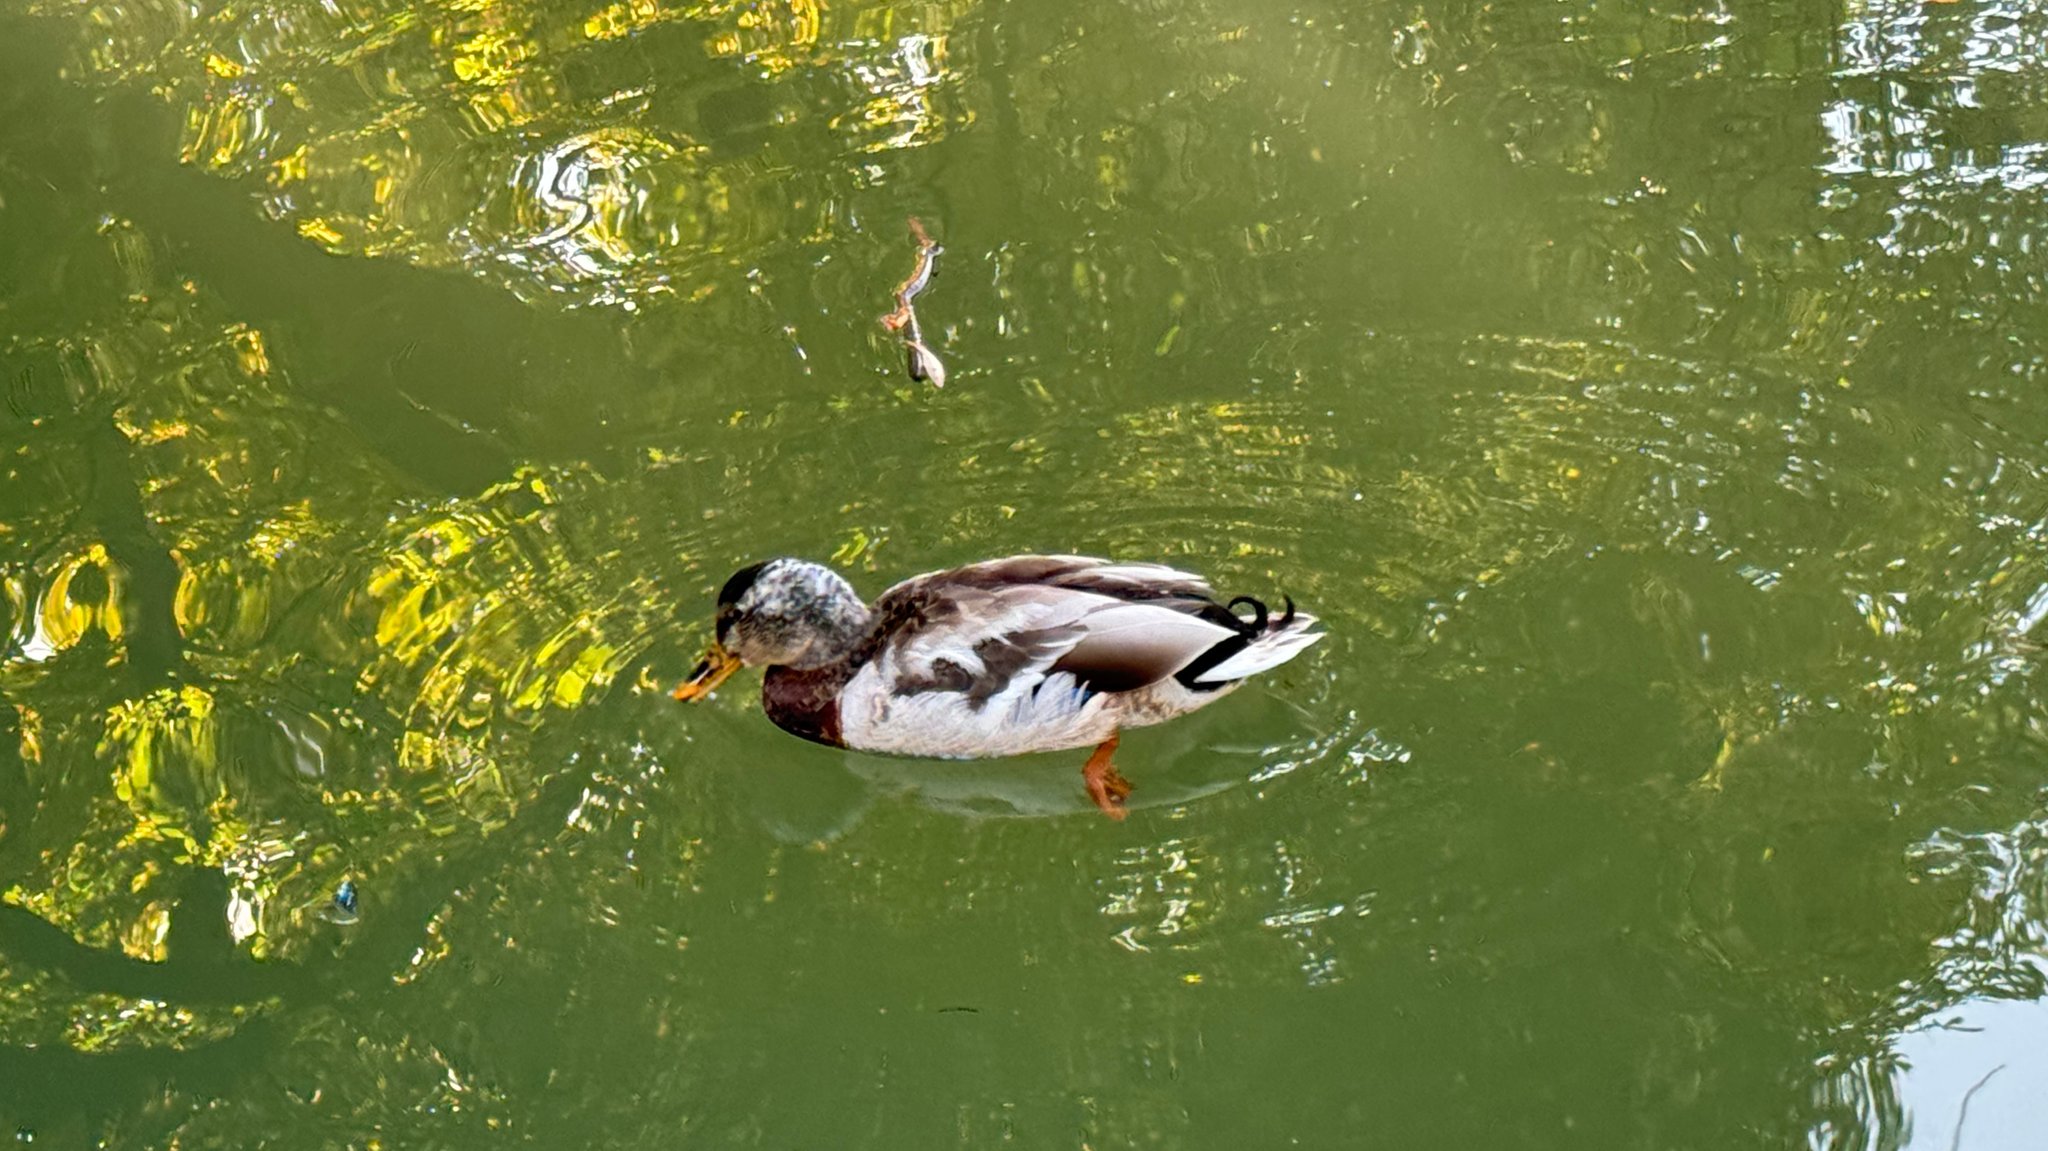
1248,630
1257,623
1225,615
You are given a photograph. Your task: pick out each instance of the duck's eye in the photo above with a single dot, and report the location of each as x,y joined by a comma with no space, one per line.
727,616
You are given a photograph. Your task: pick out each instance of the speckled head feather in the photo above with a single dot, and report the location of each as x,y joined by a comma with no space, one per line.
790,613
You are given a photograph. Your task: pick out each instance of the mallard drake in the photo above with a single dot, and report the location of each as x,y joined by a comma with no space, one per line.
1006,657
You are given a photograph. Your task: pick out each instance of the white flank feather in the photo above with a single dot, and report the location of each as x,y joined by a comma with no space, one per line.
943,725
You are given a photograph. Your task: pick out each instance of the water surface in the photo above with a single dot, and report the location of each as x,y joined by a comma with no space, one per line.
1647,398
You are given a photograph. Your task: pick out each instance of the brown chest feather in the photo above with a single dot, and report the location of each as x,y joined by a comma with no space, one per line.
805,703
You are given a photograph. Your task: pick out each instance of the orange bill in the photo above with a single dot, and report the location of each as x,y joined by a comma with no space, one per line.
710,671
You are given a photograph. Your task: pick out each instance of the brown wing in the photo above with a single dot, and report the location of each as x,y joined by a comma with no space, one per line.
1006,624
1125,581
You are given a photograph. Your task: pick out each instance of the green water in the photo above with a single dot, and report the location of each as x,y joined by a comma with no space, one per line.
1649,399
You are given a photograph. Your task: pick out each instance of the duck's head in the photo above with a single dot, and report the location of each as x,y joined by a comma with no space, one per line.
781,613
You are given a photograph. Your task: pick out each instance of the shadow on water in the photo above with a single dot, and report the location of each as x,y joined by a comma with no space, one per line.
433,369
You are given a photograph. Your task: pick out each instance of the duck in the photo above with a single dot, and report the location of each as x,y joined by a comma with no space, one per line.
1011,656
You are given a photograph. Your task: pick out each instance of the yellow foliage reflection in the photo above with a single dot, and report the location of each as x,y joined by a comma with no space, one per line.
83,595
469,131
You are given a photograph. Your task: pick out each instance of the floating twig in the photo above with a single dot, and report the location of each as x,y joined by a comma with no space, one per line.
923,362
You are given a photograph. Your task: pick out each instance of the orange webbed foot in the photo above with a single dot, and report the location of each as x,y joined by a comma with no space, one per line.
1106,786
